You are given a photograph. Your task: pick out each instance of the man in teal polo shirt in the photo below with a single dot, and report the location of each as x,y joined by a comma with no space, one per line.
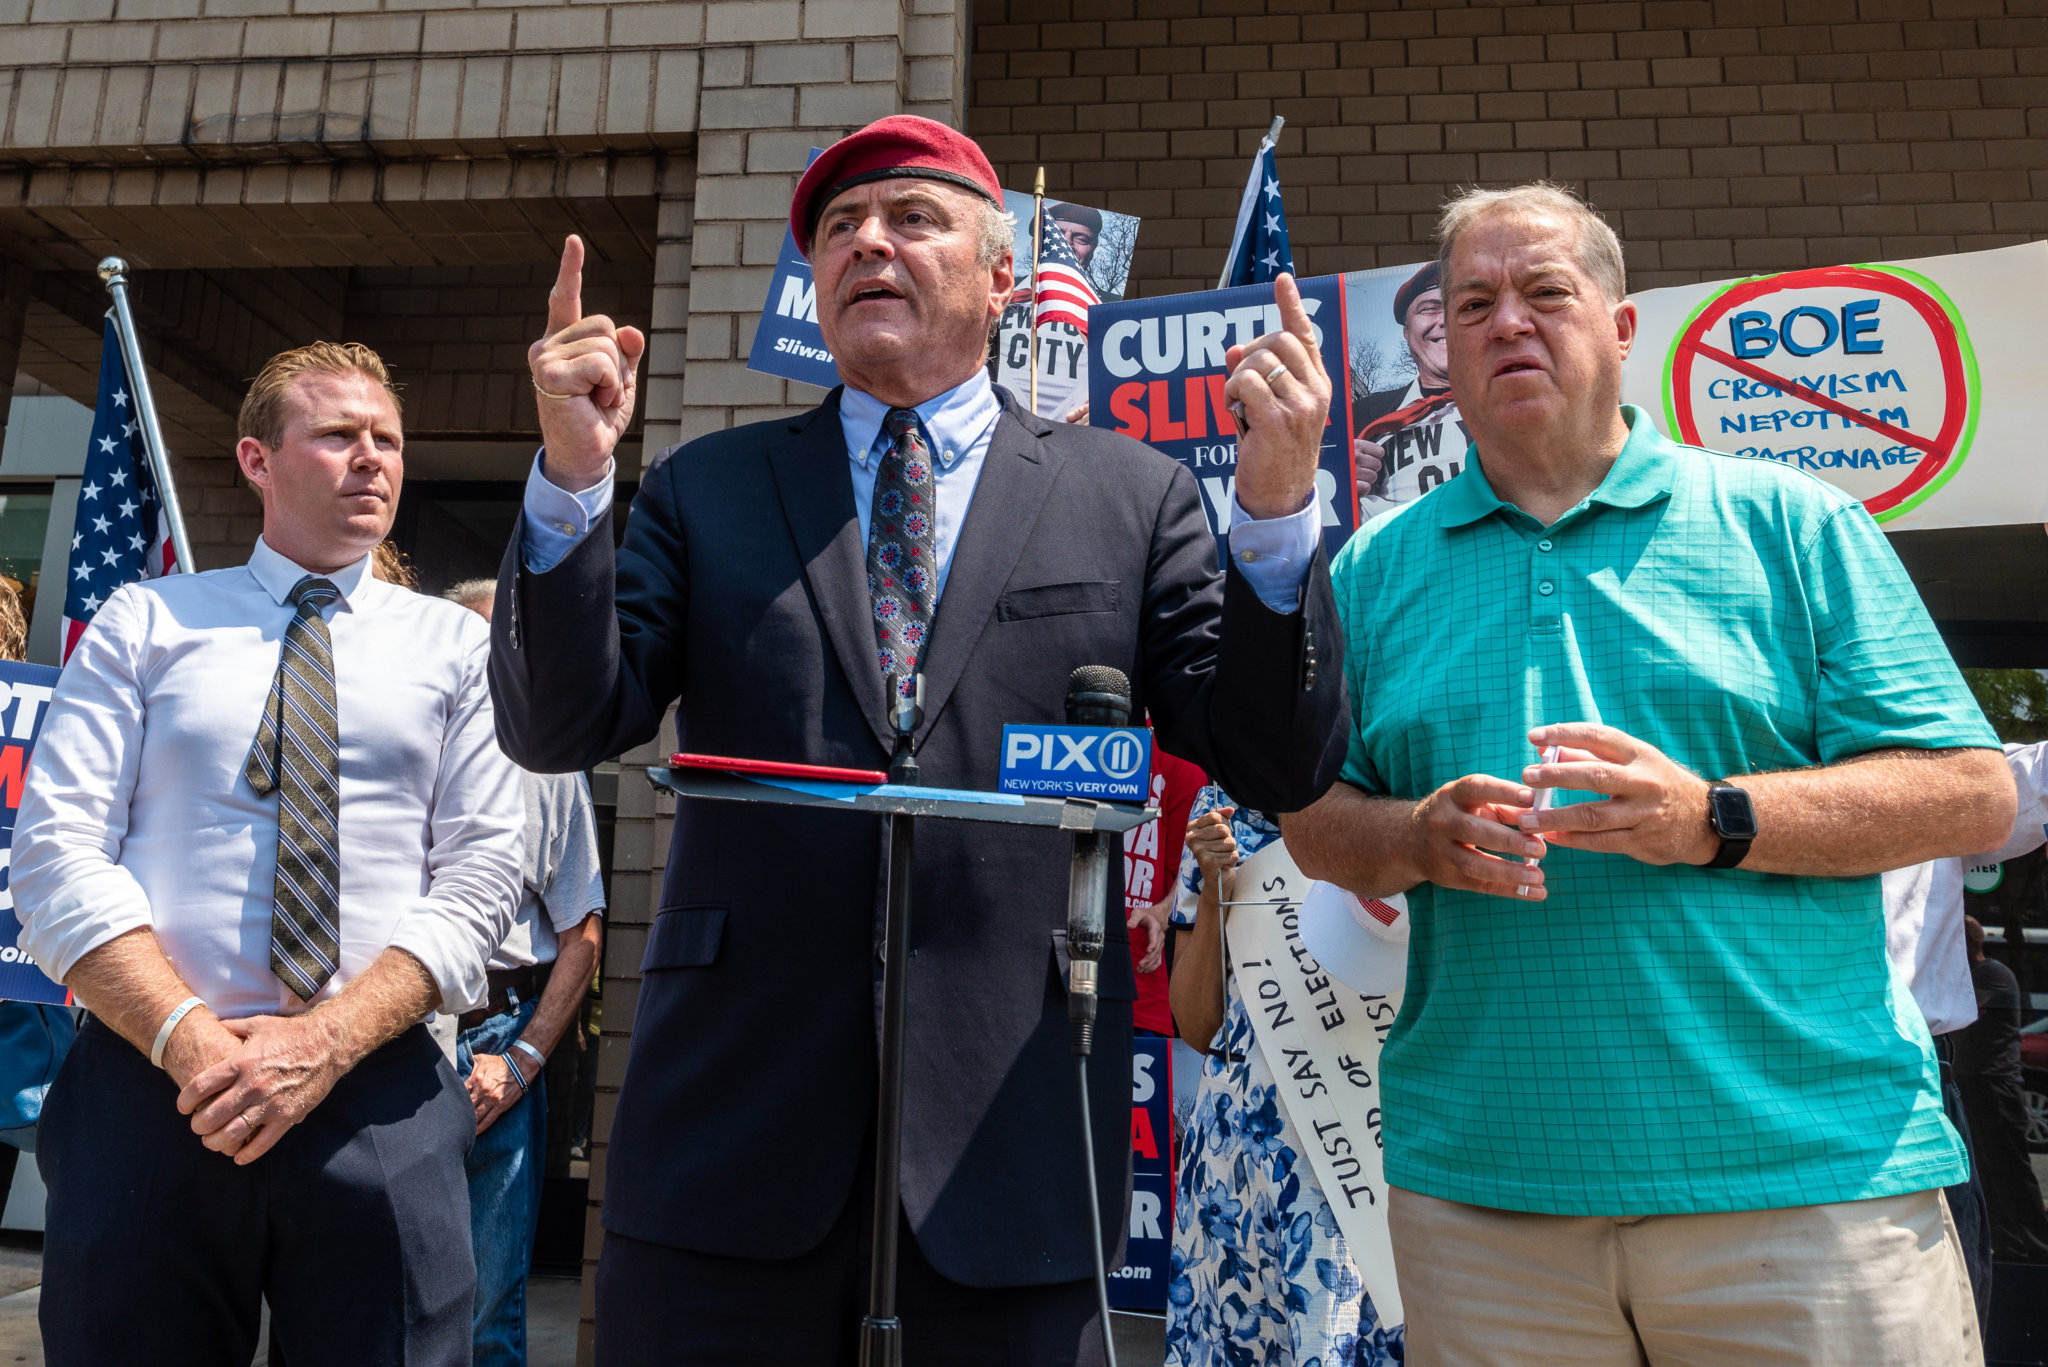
1654,1094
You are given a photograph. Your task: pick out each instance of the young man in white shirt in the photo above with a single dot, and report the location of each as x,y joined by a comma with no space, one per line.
303,1142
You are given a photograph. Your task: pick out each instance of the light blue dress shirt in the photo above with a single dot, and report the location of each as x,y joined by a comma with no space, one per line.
1273,553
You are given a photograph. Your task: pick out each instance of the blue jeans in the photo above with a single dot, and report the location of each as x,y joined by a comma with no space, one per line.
504,1194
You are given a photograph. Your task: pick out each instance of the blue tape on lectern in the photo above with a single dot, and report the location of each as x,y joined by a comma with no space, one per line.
1107,763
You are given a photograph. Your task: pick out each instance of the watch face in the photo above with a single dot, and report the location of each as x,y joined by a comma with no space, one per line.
1734,817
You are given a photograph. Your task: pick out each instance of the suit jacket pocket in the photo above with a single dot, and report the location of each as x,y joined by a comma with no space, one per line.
1058,600
684,937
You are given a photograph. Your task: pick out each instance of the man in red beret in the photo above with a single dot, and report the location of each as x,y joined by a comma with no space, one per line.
776,582
1409,438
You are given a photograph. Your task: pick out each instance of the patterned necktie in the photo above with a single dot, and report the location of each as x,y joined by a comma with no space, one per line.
298,752
903,561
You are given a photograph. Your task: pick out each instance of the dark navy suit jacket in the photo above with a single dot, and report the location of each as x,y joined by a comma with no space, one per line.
741,591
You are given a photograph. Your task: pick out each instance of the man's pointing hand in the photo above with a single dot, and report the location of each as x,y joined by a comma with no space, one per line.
584,375
1282,397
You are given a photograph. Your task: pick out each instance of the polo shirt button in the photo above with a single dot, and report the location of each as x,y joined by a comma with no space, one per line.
1247,556
1546,588
1543,545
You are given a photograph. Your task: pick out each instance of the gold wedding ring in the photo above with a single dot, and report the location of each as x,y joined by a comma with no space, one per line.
550,394
1276,371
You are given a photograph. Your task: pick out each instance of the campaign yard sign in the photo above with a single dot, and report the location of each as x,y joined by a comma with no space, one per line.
1095,246
1140,1284
24,690
1158,375
1911,385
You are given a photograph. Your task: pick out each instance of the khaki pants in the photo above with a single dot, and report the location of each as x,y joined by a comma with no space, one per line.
1876,1283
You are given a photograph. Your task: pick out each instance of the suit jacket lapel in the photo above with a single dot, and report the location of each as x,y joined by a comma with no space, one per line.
817,499
1016,478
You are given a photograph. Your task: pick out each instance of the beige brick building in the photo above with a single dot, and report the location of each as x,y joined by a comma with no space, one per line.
401,172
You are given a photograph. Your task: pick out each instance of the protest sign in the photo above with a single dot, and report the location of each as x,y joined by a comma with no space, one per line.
24,689
789,344
1158,375
1140,1284
1910,385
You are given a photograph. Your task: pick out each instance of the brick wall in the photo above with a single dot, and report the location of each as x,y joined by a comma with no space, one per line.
1721,137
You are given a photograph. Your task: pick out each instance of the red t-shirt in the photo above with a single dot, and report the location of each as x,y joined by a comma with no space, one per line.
1152,870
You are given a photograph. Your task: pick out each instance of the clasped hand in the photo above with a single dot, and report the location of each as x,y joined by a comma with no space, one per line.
246,1082
1483,834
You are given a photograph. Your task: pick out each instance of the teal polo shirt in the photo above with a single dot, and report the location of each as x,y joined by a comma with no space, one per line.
1650,1040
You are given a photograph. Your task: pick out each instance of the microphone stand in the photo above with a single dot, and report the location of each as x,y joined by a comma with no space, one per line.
881,1332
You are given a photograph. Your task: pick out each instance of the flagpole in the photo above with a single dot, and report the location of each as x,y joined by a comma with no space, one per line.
114,272
1037,233
1245,207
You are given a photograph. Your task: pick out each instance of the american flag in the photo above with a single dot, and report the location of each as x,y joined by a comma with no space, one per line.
1062,292
1259,251
120,534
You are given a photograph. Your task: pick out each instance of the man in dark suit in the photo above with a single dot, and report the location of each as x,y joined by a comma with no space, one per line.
773,578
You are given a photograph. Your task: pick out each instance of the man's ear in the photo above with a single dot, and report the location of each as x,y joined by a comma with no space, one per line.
254,459
1625,320
1002,284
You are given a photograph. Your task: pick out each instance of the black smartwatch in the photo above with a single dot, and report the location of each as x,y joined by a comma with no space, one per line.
1733,818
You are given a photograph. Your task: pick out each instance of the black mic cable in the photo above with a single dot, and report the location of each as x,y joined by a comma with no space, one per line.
1096,696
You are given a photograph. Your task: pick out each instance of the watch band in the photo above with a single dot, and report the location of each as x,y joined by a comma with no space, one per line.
1733,850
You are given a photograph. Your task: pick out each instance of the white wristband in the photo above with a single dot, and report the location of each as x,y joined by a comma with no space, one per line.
163,1033
540,1059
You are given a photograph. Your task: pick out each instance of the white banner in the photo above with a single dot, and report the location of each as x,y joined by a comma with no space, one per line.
1912,385
1322,1041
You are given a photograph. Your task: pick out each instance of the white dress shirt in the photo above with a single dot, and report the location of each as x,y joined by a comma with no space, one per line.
1923,938
1923,905
1273,554
137,811
564,878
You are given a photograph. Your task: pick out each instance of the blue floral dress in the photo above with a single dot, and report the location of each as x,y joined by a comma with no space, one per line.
1261,1275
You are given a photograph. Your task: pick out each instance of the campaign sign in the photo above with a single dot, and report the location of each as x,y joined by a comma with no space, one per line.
788,342
1158,374
24,689
1140,1284
1108,763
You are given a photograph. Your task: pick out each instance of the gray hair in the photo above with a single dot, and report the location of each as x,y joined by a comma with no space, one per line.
998,232
1598,249
472,593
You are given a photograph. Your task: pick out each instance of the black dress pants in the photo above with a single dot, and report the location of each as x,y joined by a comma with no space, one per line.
355,1227
672,1307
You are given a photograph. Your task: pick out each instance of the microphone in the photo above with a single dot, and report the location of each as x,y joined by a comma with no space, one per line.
1096,696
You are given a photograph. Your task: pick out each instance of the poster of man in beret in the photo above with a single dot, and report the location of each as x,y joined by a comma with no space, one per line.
1080,240
1408,438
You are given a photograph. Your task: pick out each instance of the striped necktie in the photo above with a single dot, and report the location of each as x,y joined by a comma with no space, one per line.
903,561
298,752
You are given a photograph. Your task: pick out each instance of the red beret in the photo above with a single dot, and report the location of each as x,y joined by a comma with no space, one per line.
902,145
1419,284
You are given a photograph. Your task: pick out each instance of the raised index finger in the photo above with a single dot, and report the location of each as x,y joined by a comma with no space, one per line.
565,300
1294,315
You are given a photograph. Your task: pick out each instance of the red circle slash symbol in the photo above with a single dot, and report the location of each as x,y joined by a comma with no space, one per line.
1936,451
